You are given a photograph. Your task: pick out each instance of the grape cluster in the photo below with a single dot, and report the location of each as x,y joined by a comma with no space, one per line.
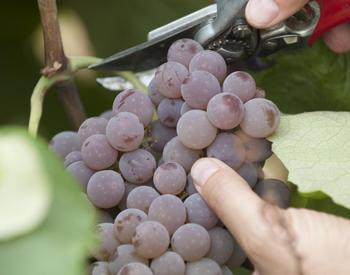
135,169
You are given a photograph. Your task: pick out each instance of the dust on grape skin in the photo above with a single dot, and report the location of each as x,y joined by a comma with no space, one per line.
270,115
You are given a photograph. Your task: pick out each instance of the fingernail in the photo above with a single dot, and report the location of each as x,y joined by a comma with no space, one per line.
261,12
202,170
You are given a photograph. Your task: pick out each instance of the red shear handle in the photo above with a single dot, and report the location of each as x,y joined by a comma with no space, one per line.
333,13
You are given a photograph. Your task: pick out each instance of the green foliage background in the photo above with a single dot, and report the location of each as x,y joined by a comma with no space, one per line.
112,26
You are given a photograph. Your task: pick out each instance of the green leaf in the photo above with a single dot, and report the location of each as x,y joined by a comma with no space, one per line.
315,149
315,79
24,184
60,244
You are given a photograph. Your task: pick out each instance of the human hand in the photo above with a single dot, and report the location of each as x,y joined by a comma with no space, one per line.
277,241
266,13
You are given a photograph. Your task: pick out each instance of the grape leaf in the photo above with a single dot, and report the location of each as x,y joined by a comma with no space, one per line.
23,185
60,244
315,148
315,79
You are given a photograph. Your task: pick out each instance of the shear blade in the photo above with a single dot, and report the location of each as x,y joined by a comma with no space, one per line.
153,53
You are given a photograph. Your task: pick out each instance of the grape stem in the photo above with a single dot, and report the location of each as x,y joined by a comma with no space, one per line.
133,79
46,82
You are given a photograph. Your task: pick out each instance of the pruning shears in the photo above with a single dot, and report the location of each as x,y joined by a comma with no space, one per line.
222,27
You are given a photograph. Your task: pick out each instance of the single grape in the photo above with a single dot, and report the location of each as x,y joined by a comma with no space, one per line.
81,173
227,148
72,157
256,149
160,135
104,217
203,266
238,256
221,245
97,153
170,263
134,102
199,212
169,77
260,93
198,88
108,241
211,62
141,198
92,126
169,111
107,114
261,118
174,150
249,172
106,189
135,269
185,108
183,50
99,268
137,166
225,111
169,210
195,130
153,93
125,132
241,84
144,239
274,191
225,270
124,255
128,188
65,142
190,188
191,241
126,222
170,178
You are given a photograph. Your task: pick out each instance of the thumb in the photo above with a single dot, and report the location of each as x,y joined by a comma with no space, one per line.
258,227
266,13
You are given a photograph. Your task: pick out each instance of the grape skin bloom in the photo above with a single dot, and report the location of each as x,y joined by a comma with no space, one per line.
106,189
134,102
65,142
92,126
170,263
144,239
229,149
240,84
125,132
169,77
225,111
198,88
261,119
169,111
97,153
209,61
183,50
141,198
137,166
170,178
195,130
191,241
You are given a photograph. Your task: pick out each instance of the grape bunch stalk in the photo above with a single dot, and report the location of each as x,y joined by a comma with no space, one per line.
136,169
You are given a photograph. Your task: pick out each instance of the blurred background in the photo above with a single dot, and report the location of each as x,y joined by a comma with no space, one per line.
88,28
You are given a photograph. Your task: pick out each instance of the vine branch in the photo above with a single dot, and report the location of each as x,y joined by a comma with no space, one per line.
56,62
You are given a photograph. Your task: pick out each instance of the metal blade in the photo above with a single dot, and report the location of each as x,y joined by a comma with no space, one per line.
152,53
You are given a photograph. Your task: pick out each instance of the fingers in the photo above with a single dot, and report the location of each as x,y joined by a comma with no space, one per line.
266,13
321,241
258,227
338,38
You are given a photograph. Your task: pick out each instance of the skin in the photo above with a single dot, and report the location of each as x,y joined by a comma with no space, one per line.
266,13
277,241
